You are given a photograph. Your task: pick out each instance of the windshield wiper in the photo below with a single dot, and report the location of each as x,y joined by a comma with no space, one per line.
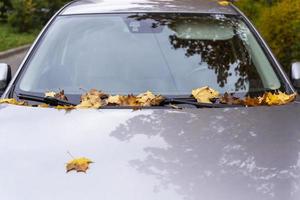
48,100
192,101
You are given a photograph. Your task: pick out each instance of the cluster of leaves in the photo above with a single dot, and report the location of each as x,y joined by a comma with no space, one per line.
97,99
209,95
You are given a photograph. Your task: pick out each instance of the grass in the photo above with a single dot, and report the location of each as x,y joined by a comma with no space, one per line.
10,39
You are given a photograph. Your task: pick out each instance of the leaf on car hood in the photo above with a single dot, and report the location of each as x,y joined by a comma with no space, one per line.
14,102
78,165
92,99
205,94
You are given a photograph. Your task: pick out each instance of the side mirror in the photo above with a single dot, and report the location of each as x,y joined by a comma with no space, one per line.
295,74
5,77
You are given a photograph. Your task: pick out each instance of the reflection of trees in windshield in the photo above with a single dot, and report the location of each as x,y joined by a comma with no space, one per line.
222,56
211,154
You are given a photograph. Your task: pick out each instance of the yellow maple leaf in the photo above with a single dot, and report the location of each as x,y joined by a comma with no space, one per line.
79,165
13,102
279,98
149,99
205,94
50,94
92,99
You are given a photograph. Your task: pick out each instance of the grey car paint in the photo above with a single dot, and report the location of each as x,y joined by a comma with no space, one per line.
192,154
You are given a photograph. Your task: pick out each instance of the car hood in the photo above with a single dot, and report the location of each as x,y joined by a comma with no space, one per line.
211,154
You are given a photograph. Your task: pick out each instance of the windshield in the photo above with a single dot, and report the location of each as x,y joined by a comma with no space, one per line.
169,54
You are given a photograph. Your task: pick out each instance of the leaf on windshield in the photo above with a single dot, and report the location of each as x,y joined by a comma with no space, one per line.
92,99
149,99
278,98
270,99
144,99
257,101
60,95
230,99
224,3
13,102
205,95
79,165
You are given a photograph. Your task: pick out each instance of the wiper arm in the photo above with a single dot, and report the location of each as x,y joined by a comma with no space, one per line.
48,100
192,101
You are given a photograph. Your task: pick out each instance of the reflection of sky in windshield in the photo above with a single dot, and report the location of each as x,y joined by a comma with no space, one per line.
169,54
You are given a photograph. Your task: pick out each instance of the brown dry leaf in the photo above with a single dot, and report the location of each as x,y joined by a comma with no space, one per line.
65,107
79,165
115,100
44,105
149,99
249,101
92,99
230,99
224,3
13,102
205,94
279,98
129,100
60,95
50,94
144,99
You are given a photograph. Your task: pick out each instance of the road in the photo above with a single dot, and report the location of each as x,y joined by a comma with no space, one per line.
14,61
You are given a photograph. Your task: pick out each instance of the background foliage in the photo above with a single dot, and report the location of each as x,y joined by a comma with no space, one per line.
277,20
279,23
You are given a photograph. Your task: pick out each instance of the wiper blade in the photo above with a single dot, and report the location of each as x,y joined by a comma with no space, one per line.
48,100
192,101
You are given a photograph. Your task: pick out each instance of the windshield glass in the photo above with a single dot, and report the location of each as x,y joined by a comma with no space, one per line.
169,54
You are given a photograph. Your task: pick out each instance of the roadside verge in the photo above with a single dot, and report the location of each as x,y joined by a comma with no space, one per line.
12,52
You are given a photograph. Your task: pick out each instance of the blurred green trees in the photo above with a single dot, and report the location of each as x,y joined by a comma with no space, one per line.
277,20
279,23
26,15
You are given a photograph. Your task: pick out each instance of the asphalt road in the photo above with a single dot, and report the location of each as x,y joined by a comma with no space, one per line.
14,61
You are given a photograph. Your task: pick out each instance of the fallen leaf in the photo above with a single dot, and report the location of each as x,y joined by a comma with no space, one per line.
144,99
249,101
230,99
60,95
279,98
78,165
149,99
13,102
205,94
50,94
92,99
224,3
43,105
59,107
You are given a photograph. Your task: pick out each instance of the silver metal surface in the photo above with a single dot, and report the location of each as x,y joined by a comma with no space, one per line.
119,6
296,71
191,154
4,70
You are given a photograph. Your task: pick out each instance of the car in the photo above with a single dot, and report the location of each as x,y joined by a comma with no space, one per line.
179,148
